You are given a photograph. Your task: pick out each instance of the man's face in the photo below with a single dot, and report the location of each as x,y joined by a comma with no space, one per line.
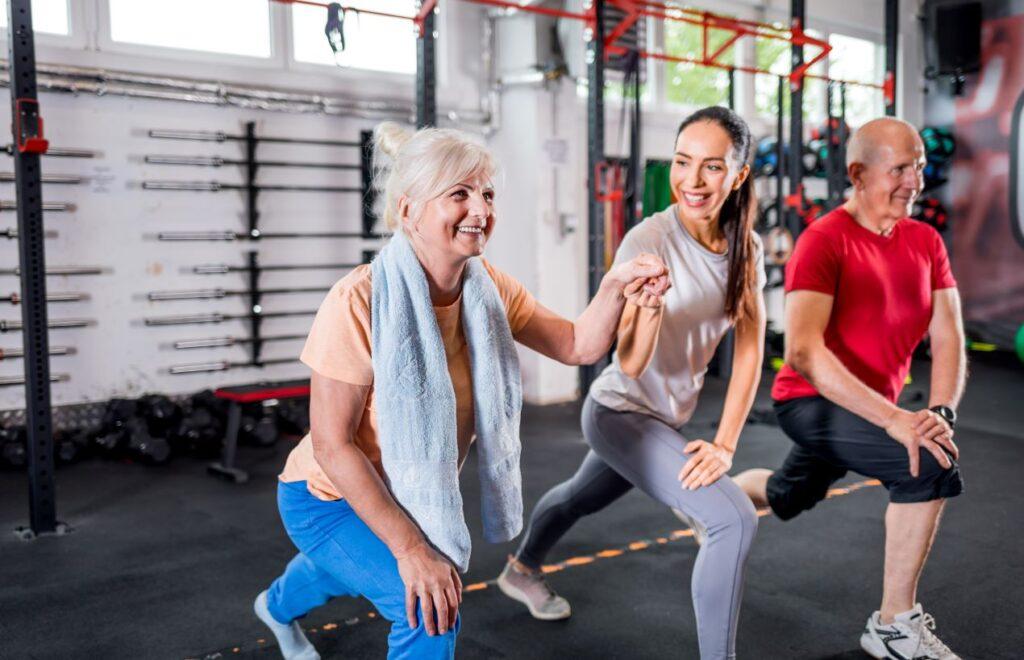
890,181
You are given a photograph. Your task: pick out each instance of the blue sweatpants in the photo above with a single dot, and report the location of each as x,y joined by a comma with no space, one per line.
340,556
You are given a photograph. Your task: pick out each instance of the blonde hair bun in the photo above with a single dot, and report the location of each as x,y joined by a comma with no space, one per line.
389,137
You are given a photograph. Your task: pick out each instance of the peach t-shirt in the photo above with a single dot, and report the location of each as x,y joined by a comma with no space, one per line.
338,347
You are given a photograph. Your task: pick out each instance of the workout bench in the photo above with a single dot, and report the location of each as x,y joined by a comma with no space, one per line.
238,395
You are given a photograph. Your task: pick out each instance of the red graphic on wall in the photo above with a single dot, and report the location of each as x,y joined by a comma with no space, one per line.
988,257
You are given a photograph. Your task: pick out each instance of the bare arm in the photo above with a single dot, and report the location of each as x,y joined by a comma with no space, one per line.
709,461
335,410
639,328
748,355
807,316
949,359
587,339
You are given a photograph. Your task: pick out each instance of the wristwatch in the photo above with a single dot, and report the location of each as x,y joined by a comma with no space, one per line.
946,413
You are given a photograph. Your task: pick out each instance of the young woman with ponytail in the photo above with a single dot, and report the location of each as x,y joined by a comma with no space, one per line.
635,407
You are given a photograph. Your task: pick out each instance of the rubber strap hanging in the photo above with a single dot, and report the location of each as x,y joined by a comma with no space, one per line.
335,28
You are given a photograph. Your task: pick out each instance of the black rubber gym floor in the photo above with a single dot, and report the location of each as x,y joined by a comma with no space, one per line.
165,562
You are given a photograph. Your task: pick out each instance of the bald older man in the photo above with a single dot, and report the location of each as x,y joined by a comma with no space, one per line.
864,285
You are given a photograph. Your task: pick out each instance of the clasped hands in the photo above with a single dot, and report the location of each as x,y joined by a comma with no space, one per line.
644,279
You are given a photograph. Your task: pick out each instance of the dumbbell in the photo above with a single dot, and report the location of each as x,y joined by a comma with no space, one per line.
935,175
258,424
161,414
814,157
293,416
766,161
202,425
124,432
12,446
143,446
931,211
71,445
939,144
110,439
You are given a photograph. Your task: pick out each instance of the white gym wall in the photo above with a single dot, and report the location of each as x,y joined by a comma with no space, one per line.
539,136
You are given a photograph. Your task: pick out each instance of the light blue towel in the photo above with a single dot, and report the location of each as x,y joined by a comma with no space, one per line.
416,402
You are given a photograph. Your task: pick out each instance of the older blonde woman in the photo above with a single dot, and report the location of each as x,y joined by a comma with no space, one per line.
413,360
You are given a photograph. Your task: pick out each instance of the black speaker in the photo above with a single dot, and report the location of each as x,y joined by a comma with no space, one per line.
958,37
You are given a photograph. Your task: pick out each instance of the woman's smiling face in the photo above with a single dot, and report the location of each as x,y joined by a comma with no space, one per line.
456,224
704,171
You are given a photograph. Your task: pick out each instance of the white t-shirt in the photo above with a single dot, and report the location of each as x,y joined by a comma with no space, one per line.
694,322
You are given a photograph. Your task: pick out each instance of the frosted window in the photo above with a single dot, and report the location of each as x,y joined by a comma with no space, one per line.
377,43
858,60
233,27
49,16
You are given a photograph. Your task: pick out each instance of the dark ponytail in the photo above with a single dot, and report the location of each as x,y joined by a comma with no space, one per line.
737,216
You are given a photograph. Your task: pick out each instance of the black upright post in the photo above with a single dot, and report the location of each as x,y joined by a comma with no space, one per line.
256,307
634,177
830,146
426,75
841,139
795,165
732,89
253,219
595,156
780,156
366,173
28,145
892,42
252,213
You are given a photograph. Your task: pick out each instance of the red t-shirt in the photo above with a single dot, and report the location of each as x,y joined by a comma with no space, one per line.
882,288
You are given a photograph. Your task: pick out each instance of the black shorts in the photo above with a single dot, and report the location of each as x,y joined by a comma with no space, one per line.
830,441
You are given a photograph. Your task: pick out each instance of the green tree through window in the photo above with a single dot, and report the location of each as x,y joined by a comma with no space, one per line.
774,55
694,84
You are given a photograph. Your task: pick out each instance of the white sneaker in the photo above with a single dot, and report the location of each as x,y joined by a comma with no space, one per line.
908,637
700,533
532,590
290,639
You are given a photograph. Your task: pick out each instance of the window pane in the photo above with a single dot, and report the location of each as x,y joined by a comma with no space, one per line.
49,16
371,42
858,60
694,84
774,55
234,27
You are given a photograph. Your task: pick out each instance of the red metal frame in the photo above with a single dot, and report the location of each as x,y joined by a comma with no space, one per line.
544,11
707,20
637,9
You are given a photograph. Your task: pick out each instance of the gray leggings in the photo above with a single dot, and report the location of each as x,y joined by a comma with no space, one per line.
632,449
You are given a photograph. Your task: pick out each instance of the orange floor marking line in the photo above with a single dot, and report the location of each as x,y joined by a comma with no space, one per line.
604,554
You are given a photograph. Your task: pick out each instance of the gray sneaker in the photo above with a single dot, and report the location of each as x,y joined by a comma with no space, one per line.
908,637
532,590
700,533
290,638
